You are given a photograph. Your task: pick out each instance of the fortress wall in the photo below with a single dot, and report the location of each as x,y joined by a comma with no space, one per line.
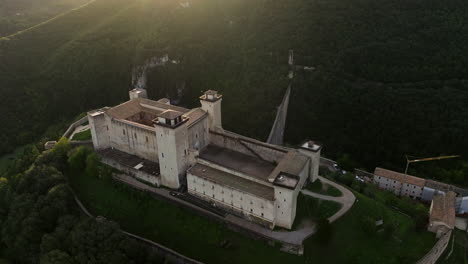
245,204
198,137
134,140
270,154
434,254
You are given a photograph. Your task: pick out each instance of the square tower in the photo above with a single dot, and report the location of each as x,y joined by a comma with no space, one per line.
138,93
172,140
312,150
211,103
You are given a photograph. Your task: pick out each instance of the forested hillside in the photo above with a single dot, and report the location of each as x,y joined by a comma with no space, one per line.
40,221
390,79
17,15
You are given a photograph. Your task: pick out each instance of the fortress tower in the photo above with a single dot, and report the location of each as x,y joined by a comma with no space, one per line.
211,103
138,93
312,150
172,140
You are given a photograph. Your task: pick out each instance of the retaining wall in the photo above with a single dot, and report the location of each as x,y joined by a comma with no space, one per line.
72,127
434,254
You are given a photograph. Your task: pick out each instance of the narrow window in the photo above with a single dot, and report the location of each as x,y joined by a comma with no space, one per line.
136,136
262,214
251,210
107,127
123,131
213,195
196,135
212,187
162,154
146,139
285,200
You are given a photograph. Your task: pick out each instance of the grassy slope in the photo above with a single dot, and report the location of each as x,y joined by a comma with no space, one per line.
239,47
460,249
200,238
83,135
323,188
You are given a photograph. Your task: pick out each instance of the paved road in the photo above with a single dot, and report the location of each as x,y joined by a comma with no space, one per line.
295,237
291,237
347,199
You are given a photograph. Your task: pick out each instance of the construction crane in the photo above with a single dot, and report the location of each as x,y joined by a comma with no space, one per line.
408,161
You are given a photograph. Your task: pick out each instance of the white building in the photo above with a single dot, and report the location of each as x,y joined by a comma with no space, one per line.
399,183
180,148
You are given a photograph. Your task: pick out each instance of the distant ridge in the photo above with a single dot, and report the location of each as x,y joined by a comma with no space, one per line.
8,37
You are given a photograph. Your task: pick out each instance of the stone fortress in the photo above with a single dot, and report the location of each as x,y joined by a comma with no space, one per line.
188,150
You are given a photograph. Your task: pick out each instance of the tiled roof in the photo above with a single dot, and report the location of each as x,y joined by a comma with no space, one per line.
443,209
232,181
132,107
170,114
293,163
195,115
403,178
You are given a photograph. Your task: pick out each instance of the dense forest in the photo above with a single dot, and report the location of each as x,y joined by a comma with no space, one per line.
390,78
40,221
16,15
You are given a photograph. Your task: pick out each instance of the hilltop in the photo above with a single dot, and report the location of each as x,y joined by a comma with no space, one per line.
389,78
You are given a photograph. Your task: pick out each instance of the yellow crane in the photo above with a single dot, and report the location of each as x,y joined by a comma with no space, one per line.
408,161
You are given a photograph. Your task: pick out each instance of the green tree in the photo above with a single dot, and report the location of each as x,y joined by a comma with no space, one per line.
78,157
92,165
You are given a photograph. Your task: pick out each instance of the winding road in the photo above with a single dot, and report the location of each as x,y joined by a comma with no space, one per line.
346,199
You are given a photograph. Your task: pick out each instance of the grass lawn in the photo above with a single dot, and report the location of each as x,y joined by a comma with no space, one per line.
323,188
460,249
314,209
200,238
83,135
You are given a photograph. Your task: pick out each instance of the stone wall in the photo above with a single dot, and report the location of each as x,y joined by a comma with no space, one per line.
246,204
72,127
134,139
434,254
198,135
239,144
146,177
